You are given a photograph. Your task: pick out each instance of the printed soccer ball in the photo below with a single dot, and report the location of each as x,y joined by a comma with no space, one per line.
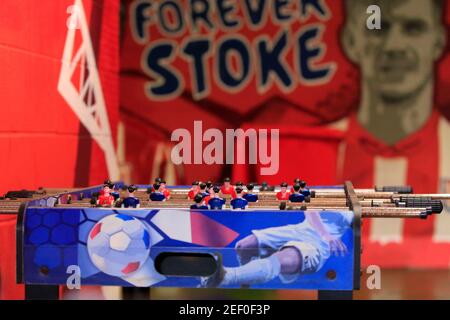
118,245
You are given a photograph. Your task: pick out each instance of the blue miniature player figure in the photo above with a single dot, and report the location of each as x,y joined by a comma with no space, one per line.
249,195
116,195
203,189
215,202
199,205
123,192
296,181
152,189
157,195
239,202
296,196
303,190
131,201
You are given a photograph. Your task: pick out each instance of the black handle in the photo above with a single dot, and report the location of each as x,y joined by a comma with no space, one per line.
436,206
396,189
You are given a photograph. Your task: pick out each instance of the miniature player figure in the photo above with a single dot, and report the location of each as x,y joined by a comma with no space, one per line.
164,190
208,195
152,189
157,195
106,199
131,201
106,182
283,194
296,196
203,189
215,202
199,203
264,186
303,189
249,195
194,190
227,188
209,184
115,194
239,202
239,184
296,181
123,193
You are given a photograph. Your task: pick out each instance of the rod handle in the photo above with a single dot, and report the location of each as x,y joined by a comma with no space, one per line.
395,189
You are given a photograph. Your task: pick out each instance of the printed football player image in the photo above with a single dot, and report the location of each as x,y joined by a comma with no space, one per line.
397,136
286,252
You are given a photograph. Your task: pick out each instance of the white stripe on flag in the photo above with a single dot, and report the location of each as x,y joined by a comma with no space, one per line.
388,171
176,224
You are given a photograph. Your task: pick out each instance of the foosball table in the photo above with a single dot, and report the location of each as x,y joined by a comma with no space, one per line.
66,238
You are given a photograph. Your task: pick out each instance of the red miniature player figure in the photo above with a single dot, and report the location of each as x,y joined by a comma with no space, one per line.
194,190
283,194
114,193
211,193
164,190
106,182
106,199
227,188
